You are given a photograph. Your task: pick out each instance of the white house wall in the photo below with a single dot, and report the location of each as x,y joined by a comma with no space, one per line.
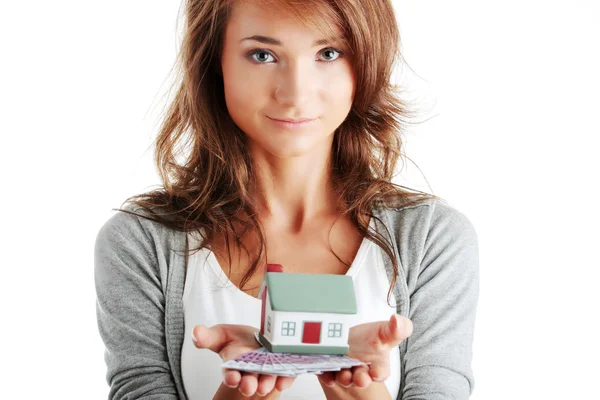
269,313
300,317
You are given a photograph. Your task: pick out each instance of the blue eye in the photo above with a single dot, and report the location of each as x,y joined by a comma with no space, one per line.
330,49
266,54
259,51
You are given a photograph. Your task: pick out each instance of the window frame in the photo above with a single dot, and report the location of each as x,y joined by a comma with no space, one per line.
334,330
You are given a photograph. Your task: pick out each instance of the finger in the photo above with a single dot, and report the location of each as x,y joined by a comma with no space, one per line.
344,378
231,378
248,384
213,338
396,330
327,378
266,383
284,382
361,377
379,372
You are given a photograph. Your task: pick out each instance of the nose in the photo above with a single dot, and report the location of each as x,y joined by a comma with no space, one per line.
296,83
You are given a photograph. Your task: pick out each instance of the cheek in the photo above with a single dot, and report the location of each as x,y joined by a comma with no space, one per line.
339,93
243,98
237,88
242,89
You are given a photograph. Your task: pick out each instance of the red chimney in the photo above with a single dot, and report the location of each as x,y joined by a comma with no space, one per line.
274,268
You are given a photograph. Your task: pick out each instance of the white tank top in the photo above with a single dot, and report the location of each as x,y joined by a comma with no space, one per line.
210,298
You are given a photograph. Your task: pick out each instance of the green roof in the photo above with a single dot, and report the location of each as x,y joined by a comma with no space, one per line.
324,293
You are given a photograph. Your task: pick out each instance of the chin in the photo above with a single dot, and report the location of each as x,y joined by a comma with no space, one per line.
286,148
290,144
288,152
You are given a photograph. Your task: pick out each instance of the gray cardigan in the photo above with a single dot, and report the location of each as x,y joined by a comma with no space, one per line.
139,286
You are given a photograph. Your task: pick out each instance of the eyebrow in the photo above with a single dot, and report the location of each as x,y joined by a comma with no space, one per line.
275,42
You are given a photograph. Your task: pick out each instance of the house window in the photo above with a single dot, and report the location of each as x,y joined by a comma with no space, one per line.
288,328
335,330
269,323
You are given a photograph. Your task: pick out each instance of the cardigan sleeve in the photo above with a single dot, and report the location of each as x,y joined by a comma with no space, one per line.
130,310
443,300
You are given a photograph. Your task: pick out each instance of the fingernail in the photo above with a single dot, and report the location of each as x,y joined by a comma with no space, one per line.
225,382
194,338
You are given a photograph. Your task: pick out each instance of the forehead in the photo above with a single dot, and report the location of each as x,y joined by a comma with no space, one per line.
251,17
255,12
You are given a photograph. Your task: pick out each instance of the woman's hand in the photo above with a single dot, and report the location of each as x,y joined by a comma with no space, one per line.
371,342
231,341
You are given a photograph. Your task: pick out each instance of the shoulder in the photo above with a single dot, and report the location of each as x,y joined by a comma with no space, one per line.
432,233
427,217
130,240
132,225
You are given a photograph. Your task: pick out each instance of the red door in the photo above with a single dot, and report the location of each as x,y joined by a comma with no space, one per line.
312,332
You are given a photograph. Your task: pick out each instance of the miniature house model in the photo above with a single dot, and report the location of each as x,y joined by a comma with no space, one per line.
306,313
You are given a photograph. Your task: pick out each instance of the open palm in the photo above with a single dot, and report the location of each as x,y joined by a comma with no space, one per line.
371,343
231,341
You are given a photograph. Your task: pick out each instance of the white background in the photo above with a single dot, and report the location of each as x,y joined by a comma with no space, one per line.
509,98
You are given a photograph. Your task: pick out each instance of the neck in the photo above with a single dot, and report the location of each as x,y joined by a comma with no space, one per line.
294,191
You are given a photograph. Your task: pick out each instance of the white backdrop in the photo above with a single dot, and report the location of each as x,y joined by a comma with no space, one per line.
509,98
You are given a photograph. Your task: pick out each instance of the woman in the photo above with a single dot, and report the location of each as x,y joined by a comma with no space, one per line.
291,137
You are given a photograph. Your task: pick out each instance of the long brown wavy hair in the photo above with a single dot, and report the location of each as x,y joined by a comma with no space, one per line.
201,155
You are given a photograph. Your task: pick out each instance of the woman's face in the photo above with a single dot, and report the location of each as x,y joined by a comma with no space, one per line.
294,79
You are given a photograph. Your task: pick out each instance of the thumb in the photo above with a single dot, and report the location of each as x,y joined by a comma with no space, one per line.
212,338
396,330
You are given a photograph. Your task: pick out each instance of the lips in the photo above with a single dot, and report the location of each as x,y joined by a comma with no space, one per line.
292,120
299,123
